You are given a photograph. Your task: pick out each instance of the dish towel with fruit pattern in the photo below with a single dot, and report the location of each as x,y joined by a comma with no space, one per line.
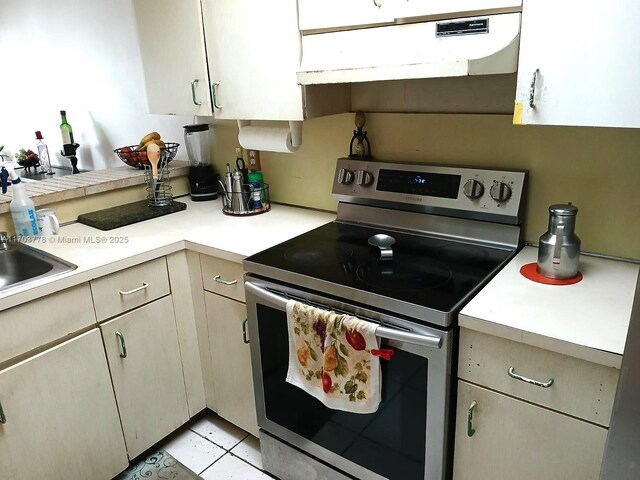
330,357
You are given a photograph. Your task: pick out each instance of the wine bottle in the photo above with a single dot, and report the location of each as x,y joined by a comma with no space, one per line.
67,136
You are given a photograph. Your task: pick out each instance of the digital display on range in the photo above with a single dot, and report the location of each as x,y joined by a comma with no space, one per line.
419,183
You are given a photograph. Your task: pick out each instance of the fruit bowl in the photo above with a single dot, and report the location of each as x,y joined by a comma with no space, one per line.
138,159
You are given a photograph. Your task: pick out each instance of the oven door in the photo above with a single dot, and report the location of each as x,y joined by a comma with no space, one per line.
405,439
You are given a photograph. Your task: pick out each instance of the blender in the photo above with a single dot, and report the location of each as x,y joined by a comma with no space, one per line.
203,181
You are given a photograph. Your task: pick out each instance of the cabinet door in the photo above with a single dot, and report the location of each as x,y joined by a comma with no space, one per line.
454,8
144,359
253,48
231,359
61,415
578,64
330,14
518,440
171,42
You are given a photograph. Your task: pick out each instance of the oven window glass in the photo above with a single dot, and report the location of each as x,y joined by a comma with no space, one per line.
390,442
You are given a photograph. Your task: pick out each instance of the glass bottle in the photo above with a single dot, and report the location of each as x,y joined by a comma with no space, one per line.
43,154
67,135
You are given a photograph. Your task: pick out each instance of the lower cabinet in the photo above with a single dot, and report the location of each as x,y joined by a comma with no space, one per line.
144,359
526,413
231,361
58,415
500,437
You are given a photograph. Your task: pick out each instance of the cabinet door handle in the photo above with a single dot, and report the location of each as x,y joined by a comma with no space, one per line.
244,331
532,90
470,429
129,292
194,83
3,419
123,346
214,94
377,3
219,279
513,374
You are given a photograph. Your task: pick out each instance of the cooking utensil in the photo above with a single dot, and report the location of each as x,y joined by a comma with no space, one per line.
153,154
559,247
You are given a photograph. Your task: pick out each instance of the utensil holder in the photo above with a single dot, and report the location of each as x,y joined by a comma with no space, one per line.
159,189
250,202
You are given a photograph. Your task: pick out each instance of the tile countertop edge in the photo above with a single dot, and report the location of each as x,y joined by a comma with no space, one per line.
559,318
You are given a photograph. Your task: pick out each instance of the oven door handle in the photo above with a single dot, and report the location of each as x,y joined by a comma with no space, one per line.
431,341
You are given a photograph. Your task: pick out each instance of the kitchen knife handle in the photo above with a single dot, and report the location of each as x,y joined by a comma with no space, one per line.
194,83
129,292
123,346
513,374
244,331
470,429
218,279
532,90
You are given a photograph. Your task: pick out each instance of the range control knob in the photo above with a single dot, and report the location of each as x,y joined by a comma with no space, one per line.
500,191
345,176
473,189
364,178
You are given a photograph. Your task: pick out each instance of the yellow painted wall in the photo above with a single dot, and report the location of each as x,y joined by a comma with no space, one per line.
597,169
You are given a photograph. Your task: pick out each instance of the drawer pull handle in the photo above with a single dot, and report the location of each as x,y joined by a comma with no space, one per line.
3,419
470,429
123,346
129,292
219,279
244,331
546,384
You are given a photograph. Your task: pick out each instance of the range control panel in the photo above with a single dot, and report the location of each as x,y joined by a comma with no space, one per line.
484,194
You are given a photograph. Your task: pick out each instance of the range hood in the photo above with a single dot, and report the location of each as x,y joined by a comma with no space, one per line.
440,48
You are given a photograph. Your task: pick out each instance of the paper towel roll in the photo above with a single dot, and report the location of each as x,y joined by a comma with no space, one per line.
268,139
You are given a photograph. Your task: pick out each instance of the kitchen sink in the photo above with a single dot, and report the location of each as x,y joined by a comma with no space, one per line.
21,264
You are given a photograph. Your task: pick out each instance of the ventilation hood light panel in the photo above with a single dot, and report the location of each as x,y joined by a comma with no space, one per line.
413,51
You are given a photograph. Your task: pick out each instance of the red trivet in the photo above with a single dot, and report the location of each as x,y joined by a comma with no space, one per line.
530,271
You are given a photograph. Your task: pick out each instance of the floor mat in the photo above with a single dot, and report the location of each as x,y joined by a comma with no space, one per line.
158,466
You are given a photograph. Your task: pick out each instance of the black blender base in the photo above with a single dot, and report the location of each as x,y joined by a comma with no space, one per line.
203,197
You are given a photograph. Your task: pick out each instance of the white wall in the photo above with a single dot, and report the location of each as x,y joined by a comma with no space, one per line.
80,56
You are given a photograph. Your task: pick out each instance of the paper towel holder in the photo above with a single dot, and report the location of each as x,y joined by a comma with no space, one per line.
295,128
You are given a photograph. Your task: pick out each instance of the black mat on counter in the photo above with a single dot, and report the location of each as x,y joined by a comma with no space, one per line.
122,215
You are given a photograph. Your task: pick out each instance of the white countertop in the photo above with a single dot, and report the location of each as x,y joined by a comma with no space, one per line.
587,320
201,227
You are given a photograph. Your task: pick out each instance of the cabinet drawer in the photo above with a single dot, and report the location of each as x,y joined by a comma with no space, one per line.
222,277
45,320
583,389
121,291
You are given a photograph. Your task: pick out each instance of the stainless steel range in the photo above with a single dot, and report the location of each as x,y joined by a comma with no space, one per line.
410,246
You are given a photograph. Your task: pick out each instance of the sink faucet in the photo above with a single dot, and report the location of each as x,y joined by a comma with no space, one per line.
4,241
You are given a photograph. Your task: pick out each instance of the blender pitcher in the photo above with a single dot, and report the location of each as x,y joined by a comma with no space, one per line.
203,181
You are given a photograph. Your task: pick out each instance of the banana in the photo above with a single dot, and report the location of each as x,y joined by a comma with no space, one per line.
160,143
146,139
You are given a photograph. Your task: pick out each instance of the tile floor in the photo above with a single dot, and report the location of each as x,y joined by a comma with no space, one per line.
215,449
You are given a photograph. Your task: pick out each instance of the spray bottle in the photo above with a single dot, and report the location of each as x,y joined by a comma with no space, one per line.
23,210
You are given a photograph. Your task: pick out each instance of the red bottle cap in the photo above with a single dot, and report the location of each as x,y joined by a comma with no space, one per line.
38,135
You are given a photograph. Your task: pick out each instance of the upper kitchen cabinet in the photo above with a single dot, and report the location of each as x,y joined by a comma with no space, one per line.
578,64
171,42
331,14
337,14
253,49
